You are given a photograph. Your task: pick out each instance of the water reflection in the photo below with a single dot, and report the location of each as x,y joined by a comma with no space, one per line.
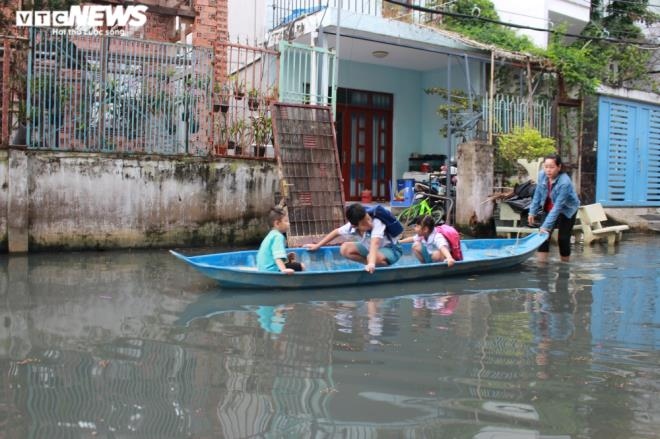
111,345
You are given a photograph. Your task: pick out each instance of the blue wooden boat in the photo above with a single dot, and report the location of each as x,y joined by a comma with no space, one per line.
327,268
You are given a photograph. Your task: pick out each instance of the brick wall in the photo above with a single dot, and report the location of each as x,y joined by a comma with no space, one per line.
158,27
210,28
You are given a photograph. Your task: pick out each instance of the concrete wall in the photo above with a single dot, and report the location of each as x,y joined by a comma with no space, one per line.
83,201
475,185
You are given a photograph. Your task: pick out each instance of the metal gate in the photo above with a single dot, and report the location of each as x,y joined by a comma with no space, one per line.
115,94
628,171
306,151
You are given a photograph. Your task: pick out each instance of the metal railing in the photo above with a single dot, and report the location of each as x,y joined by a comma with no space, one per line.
307,75
511,112
112,94
246,86
288,11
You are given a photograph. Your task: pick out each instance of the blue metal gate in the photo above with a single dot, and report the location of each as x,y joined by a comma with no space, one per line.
628,171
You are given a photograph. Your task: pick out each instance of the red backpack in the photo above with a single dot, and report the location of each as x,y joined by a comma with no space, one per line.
453,238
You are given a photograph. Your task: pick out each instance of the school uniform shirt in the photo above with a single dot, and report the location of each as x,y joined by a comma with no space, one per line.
271,248
377,231
434,241
562,196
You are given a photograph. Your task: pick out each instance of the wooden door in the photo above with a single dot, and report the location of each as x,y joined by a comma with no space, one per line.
364,134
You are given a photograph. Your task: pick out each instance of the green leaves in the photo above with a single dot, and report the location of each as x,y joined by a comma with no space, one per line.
524,143
584,64
488,33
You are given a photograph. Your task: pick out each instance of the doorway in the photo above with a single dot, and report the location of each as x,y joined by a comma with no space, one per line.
364,140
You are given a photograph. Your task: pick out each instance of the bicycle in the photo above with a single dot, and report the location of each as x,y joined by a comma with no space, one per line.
428,204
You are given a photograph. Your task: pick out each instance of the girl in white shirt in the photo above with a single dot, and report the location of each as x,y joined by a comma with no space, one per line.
430,245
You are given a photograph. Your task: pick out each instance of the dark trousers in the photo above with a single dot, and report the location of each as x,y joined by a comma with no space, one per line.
564,227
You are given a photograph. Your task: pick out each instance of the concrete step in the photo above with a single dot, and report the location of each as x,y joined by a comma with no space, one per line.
654,225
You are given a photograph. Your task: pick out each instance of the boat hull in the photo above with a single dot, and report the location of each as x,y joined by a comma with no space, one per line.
326,268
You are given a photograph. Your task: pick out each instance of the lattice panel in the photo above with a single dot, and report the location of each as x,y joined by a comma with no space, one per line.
620,122
306,150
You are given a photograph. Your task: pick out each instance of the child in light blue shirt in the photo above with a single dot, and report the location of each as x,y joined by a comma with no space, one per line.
272,254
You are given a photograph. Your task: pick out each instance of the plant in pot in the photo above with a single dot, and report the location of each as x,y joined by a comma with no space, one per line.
223,138
221,98
263,131
238,86
272,95
238,132
253,99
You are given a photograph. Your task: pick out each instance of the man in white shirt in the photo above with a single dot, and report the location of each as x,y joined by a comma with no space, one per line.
372,247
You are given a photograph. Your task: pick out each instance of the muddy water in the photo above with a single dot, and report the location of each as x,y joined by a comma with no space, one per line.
136,344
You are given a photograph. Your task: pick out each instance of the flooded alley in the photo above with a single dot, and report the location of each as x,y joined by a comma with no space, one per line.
138,344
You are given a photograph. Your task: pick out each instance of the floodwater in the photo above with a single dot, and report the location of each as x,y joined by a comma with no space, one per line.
139,345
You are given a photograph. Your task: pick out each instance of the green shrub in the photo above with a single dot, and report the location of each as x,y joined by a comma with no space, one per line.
524,143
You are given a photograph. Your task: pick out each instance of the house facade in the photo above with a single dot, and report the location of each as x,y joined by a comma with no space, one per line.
388,56
391,77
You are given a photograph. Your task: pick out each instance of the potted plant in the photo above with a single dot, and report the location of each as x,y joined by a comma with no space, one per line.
253,99
238,134
238,87
221,98
272,95
222,145
263,130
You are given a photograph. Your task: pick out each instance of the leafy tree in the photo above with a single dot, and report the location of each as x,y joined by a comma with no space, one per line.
584,64
524,143
620,20
580,63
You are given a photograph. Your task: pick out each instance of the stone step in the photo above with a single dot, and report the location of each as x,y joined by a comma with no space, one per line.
654,225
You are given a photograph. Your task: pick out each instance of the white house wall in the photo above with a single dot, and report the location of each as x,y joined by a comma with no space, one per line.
247,20
543,14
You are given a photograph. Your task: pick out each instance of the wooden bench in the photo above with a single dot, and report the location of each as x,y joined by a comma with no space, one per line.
591,216
508,214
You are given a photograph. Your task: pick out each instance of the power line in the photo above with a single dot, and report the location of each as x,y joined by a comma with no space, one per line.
518,26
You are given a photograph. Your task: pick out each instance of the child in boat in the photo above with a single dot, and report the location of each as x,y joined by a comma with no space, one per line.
417,224
272,255
373,246
432,246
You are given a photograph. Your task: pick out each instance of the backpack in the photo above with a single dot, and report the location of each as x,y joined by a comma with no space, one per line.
453,238
392,225
525,190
